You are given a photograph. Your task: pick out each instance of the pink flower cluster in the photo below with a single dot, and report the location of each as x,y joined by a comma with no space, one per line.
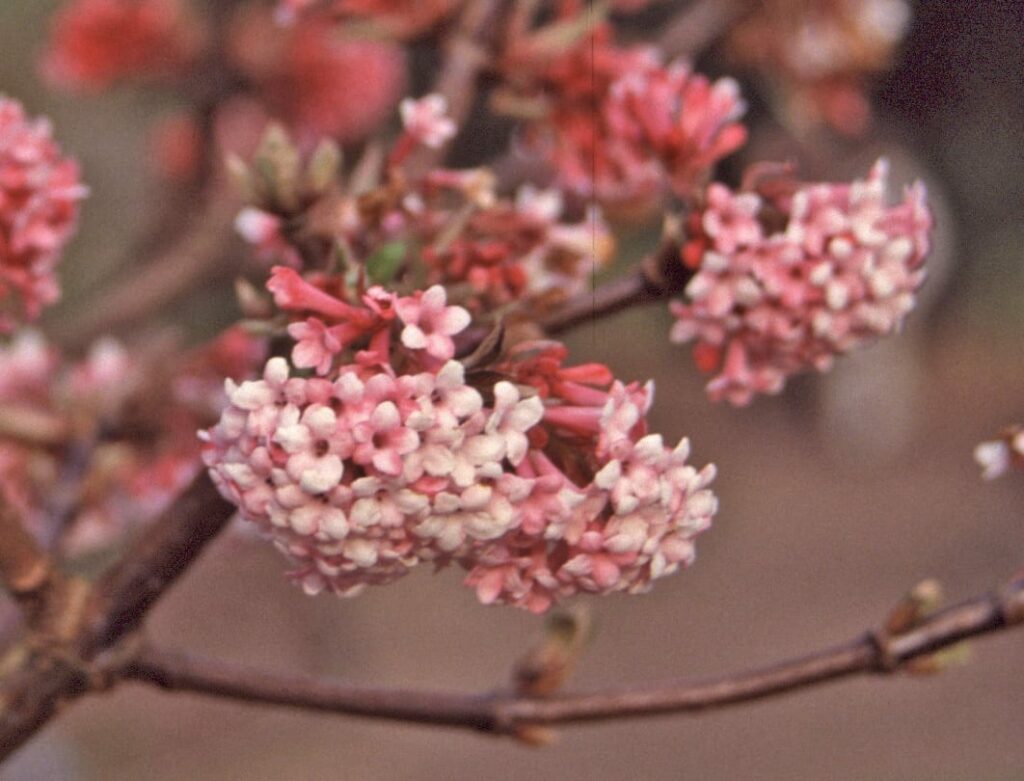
35,392
361,476
999,456
39,194
623,126
764,304
94,43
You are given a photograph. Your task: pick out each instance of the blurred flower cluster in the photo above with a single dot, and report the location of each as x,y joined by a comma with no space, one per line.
820,55
795,275
309,75
91,449
39,194
615,123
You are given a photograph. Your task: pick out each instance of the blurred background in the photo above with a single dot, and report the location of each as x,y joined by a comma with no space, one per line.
836,497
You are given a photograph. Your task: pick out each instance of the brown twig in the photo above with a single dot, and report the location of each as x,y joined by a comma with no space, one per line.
658,277
505,713
31,695
159,557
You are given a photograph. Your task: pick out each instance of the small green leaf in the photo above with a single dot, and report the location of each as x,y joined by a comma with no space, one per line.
386,261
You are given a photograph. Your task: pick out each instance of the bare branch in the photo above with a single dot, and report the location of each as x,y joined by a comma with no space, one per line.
31,695
505,713
660,276
177,671
160,556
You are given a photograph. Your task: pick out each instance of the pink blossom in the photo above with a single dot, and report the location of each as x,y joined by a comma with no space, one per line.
730,219
29,366
315,344
293,293
359,479
39,195
426,120
429,323
258,227
287,11
842,271
382,439
395,18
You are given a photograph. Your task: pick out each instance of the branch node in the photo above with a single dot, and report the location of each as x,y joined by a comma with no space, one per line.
503,720
1010,601
884,661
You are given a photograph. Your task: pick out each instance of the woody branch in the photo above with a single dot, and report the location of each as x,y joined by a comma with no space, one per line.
498,712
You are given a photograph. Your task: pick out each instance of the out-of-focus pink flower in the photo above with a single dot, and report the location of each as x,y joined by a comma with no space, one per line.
317,80
258,227
174,144
999,456
621,126
288,11
426,119
39,195
630,6
106,366
29,366
263,231
762,306
94,43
